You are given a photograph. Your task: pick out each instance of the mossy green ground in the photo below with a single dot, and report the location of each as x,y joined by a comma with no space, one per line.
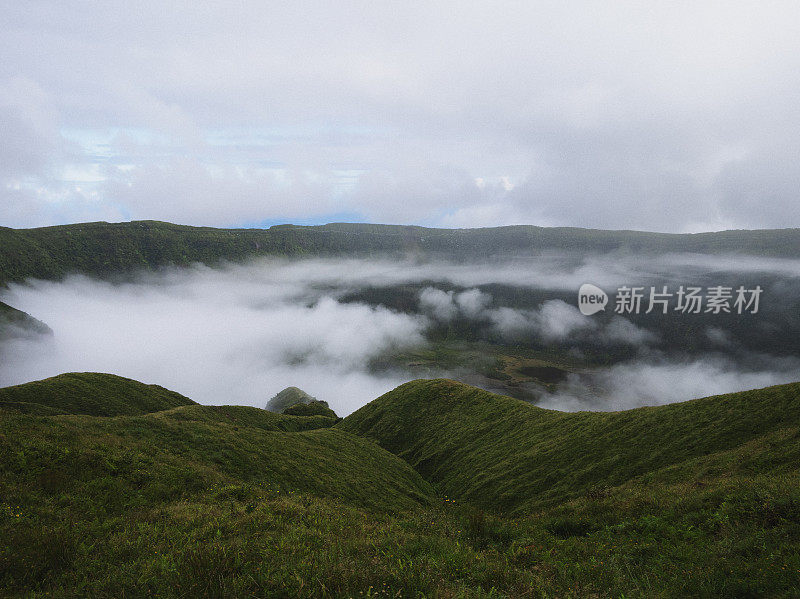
192,500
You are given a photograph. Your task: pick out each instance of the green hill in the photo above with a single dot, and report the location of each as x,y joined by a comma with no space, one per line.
154,497
313,408
699,499
253,417
109,249
287,398
90,393
505,454
133,460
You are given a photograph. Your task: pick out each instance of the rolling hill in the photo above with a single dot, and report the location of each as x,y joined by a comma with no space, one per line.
505,454
90,393
156,495
288,397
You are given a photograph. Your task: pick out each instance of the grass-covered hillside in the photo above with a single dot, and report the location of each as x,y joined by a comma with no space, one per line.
505,454
110,249
94,504
15,323
699,499
287,398
314,408
90,393
252,417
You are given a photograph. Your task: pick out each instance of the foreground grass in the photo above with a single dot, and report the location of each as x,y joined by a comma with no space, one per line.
734,538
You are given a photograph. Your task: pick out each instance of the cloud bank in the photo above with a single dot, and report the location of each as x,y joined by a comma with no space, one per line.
240,333
662,381
216,337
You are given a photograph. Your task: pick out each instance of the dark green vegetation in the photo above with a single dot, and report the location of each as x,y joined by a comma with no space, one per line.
108,249
134,503
287,398
694,499
503,454
296,402
15,323
247,416
91,393
313,408
508,369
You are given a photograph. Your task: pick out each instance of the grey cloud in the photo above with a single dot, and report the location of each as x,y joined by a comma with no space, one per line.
240,333
667,117
719,336
28,127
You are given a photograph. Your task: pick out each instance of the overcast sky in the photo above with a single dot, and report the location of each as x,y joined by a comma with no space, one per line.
669,116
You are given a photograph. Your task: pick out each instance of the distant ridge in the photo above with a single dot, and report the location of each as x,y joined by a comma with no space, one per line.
109,249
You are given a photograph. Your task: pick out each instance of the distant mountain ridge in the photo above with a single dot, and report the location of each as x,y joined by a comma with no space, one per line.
108,249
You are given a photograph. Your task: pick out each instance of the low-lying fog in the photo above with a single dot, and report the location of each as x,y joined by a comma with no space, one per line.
240,334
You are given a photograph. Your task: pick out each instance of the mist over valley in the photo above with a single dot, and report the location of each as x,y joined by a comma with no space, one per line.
348,330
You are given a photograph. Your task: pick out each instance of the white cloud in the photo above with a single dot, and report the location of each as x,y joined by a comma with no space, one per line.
446,305
639,383
622,330
472,302
438,303
553,321
241,333
233,336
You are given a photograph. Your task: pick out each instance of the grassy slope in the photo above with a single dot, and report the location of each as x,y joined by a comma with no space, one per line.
90,393
504,454
252,417
72,483
109,249
314,408
14,322
132,461
219,501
